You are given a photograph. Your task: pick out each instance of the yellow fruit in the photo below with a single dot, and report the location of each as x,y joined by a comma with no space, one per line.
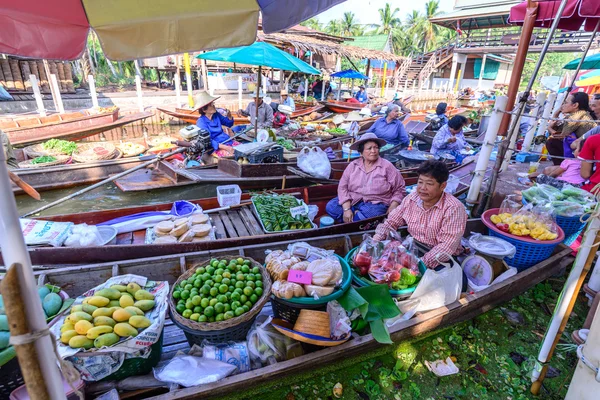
104,321
143,295
68,320
67,327
67,335
98,301
139,322
114,303
495,219
126,294
145,305
102,312
111,294
97,331
126,301
76,308
134,310
123,329
132,288
85,301
88,308
81,341
120,288
108,339
121,315
81,327
80,315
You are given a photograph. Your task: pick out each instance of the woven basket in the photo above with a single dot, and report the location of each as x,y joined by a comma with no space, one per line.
88,152
59,160
154,141
133,151
232,329
37,150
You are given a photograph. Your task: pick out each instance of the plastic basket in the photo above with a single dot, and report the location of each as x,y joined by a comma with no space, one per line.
10,378
138,365
571,226
362,281
529,251
229,195
274,155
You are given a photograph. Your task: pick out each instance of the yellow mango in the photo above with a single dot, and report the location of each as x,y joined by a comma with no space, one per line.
80,315
123,329
132,288
88,308
114,303
98,301
68,320
104,321
134,310
67,327
81,341
137,321
67,335
126,301
121,315
108,339
111,294
76,308
102,312
81,327
85,301
145,305
143,295
97,331
120,288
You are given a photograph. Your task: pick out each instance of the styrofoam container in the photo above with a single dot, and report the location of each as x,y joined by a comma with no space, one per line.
229,195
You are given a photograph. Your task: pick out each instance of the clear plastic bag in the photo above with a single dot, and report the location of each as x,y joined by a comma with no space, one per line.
492,246
567,208
510,204
315,162
339,322
265,344
533,221
84,235
368,251
396,266
190,371
307,252
234,353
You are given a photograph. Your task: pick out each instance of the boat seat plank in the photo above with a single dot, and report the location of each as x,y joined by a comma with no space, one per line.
251,221
125,238
139,237
238,223
231,232
218,223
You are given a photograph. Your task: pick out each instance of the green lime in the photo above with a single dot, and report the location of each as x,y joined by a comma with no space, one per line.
183,283
194,316
185,294
214,261
219,271
189,305
182,302
228,295
205,276
203,318
196,300
222,264
247,304
197,283
211,319
222,298
197,309
239,290
210,270
258,291
216,285
247,262
209,311
219,308
253,298
229,315
176,294
226,281
240,284
256,270
210,282
205,289
235,296
187,313
204,303
180,308
189,286
231,288
200,270
240,261
219,317
212,302
223,289
250,277
258,277
235,305
248,291
239,277
214,291
243,298
245,269
246,308
238,311
218,278
227,274
250,284
227,307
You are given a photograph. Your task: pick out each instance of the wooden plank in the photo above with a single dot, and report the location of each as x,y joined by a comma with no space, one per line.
139,237
218,223
251,222
461,310
238,224
125,238
231,232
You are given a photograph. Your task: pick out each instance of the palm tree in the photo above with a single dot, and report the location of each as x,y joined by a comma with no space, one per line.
334,27
350,26
388,19
313,23
430,31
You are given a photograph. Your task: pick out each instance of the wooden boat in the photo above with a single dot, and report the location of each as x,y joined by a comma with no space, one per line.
342,107
421,114
234,227
191,116
77,280
69,126
427,137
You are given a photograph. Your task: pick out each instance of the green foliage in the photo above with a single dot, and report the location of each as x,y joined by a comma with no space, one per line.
551,66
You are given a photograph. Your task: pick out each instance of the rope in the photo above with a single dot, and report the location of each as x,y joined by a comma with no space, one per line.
549,118
68,370
587,362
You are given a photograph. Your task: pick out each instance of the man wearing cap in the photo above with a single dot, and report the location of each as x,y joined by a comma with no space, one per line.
265,112
361,95
287,100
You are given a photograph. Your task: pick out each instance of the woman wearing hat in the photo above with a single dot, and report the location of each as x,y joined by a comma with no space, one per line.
370,186
347,97
361,96
390,128
212,121
286,100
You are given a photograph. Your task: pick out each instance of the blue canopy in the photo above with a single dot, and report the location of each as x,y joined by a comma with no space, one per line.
590,62
349,74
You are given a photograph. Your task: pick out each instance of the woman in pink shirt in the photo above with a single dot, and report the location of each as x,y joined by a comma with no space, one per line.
567,173
370,186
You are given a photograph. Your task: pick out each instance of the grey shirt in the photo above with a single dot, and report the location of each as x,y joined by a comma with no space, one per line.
592,132
265,114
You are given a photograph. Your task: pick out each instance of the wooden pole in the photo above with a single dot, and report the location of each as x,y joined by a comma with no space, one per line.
93,93
204,73
59,102
138,71
178,87
37,95
138,89
240,87
52,89
305,89
383,80
258,79
481,70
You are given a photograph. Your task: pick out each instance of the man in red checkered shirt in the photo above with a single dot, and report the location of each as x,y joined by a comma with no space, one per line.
436,220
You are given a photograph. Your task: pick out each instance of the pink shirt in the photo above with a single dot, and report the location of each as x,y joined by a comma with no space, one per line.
572,172
383,184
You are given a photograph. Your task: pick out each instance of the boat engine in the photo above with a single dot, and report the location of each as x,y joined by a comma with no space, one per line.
435,122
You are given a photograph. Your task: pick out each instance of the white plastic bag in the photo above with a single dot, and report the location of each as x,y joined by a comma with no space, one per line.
510,272
315,162
193,371
234,353
84,235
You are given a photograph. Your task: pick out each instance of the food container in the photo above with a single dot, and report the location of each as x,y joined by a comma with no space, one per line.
325,222
109,235
229,195
346,151
287,230
21,392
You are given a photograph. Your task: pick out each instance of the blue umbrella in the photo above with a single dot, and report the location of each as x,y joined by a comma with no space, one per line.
591,62
349,74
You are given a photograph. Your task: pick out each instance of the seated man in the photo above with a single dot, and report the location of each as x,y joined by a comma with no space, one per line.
450,137
265,113
435,219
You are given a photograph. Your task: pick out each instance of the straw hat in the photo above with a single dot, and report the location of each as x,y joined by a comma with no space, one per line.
354,116
365,111
282,108
338,119
346,96
369,136
311,327
283,93
203,99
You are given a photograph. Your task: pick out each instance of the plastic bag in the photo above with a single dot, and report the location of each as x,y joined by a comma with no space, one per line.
307,252
396,266
315,162
510,204
339,322
492,246
83,235
193,371
510,272
265,344
234,353
567,208
533,221
44,233
368,251
452,184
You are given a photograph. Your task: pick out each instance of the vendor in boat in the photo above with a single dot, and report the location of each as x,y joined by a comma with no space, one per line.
440,112
450,138
347,97
287,100
435,219
362,95
397,100
370,186
265,112
390,128
216,124
11,160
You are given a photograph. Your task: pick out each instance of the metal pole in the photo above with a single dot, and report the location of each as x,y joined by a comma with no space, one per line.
305,89
38,96
240,92
541,98
93,93
323,89
583,56
138,88
546,114
481,70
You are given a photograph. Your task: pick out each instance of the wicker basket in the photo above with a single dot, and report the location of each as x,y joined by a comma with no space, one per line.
90,152
59,161
232,329
37,150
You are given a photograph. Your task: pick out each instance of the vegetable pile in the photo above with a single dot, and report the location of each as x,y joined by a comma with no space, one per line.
286,144
568,202
337,131
299,133
62,146
43,160
220,291
274,213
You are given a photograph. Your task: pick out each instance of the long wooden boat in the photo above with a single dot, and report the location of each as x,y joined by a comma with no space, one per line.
342,107
421,114
69,126
191,116
234,227
76,280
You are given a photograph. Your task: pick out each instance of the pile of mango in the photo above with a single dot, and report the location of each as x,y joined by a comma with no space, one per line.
523,225
107,316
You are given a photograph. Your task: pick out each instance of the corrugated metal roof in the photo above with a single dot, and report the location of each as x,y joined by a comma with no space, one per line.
475,17
374,42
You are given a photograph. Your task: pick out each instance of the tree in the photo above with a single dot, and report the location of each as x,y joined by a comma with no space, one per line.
432,9
349,25
388,19
313,23
551,66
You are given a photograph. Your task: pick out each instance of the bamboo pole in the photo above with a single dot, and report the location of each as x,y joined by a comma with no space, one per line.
541,98
69,77
258,78
2,80
93,93
60,68
383,80
43,77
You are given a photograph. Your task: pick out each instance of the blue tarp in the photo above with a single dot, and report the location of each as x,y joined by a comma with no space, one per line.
349,74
